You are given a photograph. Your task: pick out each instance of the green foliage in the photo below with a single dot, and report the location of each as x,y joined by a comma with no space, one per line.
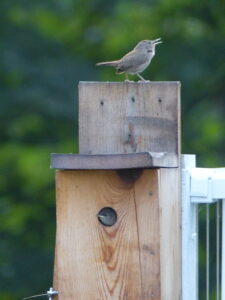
46,48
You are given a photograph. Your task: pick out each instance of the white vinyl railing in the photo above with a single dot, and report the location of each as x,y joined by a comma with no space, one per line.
203,190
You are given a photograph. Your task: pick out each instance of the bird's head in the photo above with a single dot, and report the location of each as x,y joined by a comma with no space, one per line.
148,45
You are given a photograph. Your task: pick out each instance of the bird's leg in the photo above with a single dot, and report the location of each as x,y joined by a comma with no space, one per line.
126,77
142,79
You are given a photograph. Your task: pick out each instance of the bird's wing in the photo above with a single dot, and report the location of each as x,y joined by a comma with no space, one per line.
129,61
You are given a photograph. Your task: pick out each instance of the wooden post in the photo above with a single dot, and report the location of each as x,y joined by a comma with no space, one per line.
129,161
128,117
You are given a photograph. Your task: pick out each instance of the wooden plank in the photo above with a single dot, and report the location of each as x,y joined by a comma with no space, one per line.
147,207
128,117
97,262
170,233
113,161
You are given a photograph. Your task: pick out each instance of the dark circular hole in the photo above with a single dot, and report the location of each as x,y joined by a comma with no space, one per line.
107,216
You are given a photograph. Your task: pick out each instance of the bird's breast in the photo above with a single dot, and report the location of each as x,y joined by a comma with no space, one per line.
140,68
142,64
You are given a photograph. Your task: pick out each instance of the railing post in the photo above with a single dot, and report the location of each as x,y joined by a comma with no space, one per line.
223,252
189,233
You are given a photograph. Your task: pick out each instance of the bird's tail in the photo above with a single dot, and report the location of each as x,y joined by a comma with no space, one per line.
108,63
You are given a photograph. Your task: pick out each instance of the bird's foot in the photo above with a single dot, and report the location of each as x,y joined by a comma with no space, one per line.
146,81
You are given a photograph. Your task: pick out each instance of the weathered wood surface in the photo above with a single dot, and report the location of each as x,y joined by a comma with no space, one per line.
128,117
94,262
113,161
170,233
139,258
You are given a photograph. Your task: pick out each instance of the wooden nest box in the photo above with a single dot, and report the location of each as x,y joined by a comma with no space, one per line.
118,200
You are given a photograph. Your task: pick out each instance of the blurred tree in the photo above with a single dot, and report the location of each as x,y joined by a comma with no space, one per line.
46,48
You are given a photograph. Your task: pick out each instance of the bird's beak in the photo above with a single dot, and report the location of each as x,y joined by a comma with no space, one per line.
157,41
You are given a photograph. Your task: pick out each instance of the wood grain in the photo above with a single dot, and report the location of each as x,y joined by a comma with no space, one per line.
128,117
170,233
139,258
97,262
147,208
